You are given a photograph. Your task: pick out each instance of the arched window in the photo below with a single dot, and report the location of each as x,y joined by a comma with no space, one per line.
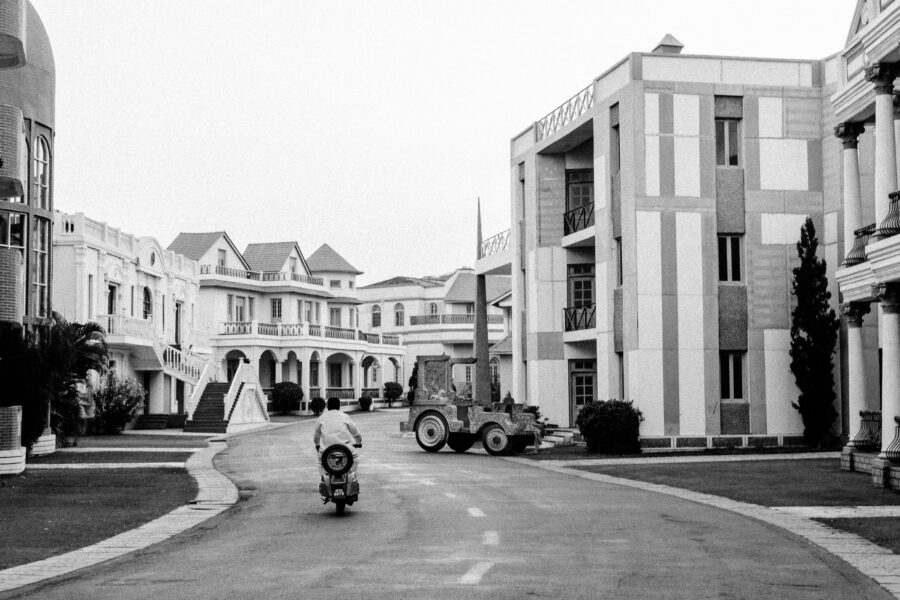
432,309
399,319
41,174
148,303
495,371
376,316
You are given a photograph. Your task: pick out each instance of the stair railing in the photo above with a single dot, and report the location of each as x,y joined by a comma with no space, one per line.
205,377
184,363
245,374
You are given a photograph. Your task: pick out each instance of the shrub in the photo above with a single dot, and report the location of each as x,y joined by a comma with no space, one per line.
116,401
611,427
286,396
534,409
392,391
317,405
365,402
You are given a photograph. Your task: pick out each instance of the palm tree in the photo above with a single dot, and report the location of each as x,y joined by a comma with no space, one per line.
65,354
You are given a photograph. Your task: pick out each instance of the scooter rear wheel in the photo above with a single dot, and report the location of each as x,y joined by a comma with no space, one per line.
339,507
337,459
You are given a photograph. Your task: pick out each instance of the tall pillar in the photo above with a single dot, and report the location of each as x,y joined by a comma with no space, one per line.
897,132
157,393
882,77
482,390
889,296
849,134
856,375
279,371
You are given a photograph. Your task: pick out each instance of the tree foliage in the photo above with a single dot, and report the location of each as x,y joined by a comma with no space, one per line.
286,396
392,391
610,427
814,330
116,400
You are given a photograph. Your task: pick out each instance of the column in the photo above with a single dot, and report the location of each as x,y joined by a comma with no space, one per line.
889,296
279,371
849,134
157,393
856,376
897,132
304,379
882,77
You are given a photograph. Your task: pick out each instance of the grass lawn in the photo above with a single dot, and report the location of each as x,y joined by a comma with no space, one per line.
46,513
884,531
62,458
578,452
808,482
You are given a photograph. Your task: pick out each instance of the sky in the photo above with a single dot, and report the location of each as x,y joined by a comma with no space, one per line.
373,126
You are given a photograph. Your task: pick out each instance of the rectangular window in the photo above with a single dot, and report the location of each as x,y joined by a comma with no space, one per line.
581,286
376,318
229,308
334,375
239,308
12,229
293,264
620,362
132,301
299,311
90,292
731,375
470,309
276,308
728,142
308,308
335,317
619,269
222,258
468,374
579,188
730,258
39,267
250,312
318,312
350,284
335,283
614,143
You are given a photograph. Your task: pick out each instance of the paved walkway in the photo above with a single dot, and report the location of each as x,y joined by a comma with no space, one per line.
877,563
215,494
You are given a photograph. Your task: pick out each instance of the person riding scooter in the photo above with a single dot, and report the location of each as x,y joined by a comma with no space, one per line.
335,427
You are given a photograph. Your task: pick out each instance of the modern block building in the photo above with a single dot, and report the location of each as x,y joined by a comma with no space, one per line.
291,318
436,315
654,221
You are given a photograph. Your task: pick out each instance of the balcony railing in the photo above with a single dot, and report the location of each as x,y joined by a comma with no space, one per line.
857,254
122,325
451,319
890,226
260,275
580,318
303,329
495,244
425,320
869,436
373,393
570,110
579,218
342,393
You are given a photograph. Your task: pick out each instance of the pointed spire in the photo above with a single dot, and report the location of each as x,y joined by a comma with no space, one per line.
478,252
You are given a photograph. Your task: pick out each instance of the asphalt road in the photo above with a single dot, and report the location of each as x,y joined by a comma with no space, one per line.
456,526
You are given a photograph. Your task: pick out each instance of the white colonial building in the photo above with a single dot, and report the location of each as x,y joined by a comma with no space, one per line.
289,317
436,315
144,296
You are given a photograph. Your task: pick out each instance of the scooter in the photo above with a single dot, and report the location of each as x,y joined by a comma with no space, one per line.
337,486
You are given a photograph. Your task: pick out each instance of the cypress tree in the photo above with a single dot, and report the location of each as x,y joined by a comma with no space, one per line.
814,330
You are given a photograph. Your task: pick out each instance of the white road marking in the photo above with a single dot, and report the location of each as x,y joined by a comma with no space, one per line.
475,512
474,575
490,538
449,495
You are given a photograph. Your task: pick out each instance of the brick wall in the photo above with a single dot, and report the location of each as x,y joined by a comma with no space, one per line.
10,427
12,280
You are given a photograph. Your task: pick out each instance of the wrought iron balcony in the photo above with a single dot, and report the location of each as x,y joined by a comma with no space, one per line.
579,218
869,436
892,452
857,254
581,317
567,112
890,226
495,244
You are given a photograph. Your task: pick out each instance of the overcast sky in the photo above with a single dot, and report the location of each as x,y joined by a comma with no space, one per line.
372,126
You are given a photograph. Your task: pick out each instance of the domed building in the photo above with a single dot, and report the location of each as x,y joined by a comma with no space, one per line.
27,112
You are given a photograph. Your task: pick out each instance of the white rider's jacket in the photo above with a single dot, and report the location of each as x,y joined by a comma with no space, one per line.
335,427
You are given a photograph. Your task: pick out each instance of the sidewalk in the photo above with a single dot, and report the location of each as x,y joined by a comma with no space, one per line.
878,563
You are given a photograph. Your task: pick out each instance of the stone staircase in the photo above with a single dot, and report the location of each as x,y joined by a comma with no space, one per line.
209,416
560,436
152,422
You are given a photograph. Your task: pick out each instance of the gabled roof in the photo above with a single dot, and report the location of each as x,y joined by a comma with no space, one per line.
195,245
498,300
463,287
403,281
504,346
272,256
326,259
860,20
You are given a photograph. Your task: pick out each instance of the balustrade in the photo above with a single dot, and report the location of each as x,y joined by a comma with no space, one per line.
339,333
567,112
580,318
858,253
373,393
425,319
391,340
869,436
890,226
315,330
579,218
122,325
495,244
342,393
260,275
892,452
267,328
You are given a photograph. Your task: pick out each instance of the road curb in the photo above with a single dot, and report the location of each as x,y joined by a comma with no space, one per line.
877,563
215,494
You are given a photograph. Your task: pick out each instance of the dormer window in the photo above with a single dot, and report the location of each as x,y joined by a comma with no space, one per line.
335,283
222,258
294,265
